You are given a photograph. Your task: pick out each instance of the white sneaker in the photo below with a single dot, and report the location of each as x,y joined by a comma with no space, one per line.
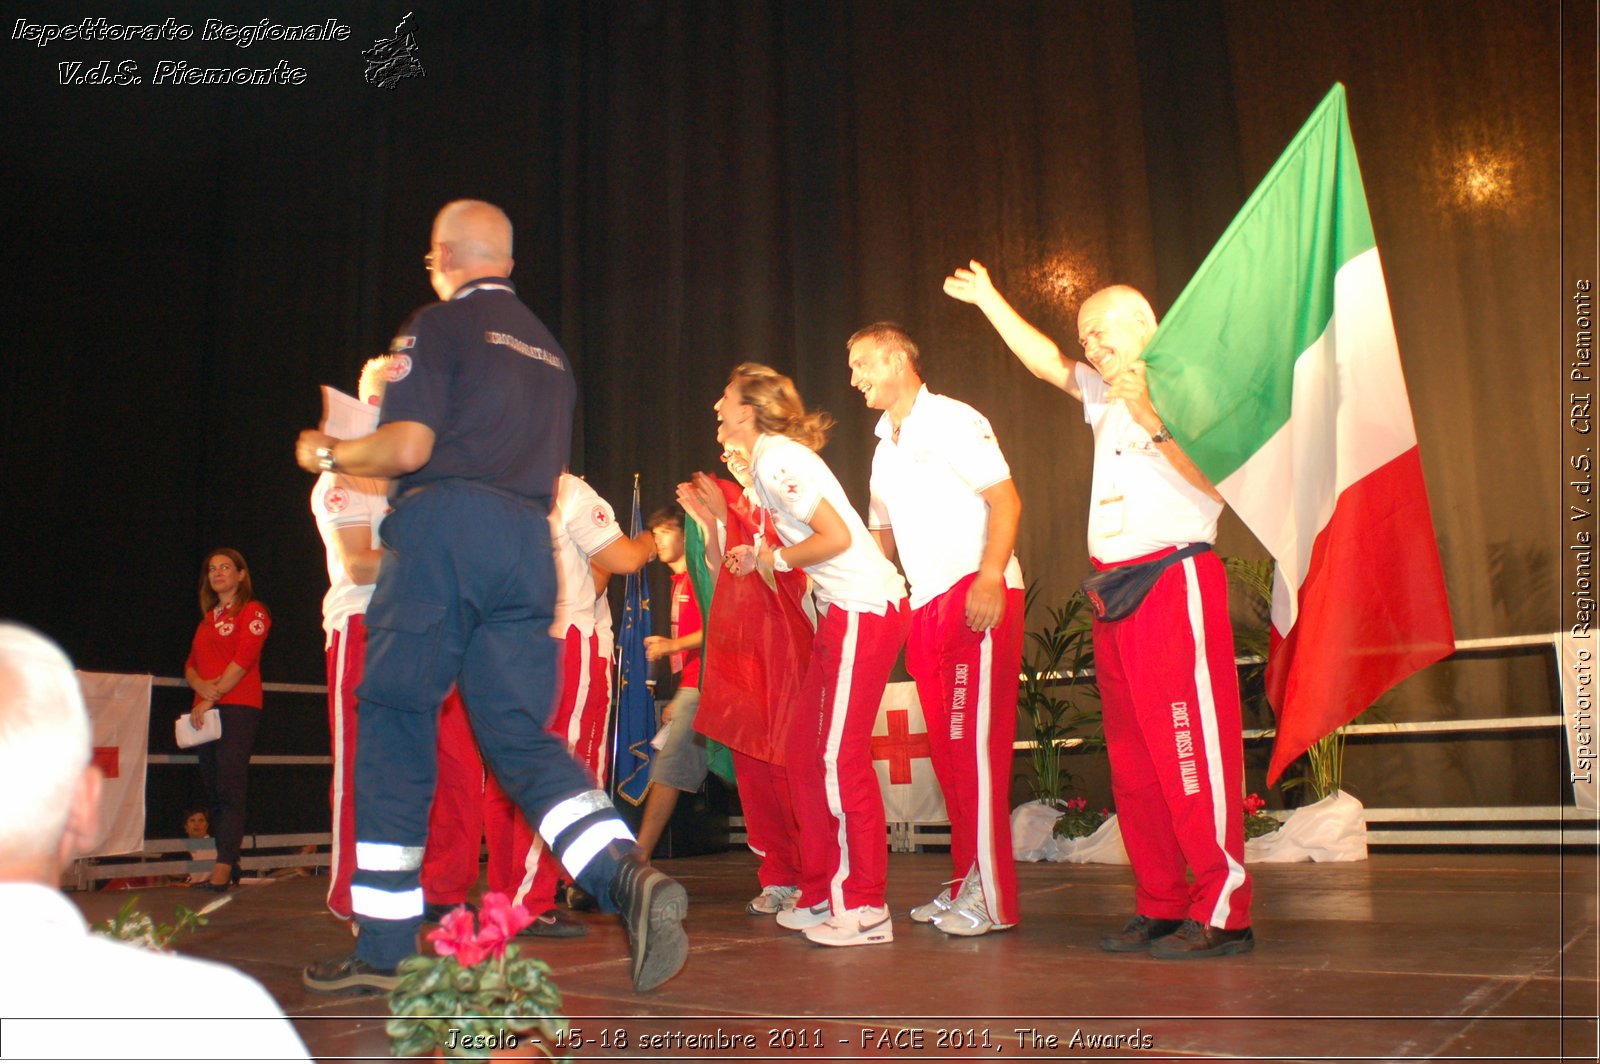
968,913
772,900
866,925
798,918
925,914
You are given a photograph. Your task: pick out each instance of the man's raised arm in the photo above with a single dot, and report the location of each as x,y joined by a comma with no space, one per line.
1039,353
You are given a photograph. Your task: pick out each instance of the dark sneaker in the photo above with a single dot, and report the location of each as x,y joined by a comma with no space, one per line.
348,975
652,906
554,924
1137,933
436,911
580,900
1195,940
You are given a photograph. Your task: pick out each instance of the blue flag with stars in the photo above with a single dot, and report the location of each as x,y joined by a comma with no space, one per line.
636,704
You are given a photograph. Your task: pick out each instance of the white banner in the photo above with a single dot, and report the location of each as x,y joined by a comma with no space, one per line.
901,757
119,716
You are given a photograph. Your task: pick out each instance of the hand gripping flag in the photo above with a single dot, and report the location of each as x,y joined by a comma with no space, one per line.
636,706
702,581
1278,373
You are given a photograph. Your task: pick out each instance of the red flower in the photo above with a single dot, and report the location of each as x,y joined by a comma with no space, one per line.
456,937
499,921
1253,804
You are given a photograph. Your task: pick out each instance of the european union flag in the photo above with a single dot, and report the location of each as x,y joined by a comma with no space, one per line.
636,704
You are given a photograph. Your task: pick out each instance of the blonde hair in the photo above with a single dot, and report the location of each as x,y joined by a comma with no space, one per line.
777,405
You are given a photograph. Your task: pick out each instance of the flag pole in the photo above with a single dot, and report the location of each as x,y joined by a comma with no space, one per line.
616,668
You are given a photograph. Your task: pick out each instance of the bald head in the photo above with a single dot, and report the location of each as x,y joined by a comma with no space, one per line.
1114,325
44,751
471,239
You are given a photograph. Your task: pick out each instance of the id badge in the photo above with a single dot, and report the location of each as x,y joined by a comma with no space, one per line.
1108,514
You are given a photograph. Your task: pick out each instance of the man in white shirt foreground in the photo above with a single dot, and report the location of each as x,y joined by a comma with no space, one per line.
66,993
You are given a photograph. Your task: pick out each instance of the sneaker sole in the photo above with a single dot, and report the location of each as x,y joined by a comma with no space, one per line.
969,931
660,947
878,934
1226,949
351,984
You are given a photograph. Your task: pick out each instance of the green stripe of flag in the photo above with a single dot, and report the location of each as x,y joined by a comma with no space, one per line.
1222,363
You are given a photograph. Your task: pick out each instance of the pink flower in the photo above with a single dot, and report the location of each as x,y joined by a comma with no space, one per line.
499,921
456,937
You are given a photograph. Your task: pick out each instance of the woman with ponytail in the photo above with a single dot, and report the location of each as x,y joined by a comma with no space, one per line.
861,626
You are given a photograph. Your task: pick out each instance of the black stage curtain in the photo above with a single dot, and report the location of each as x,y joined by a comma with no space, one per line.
699,183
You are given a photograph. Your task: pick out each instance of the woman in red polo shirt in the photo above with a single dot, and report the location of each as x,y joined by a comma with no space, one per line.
223,668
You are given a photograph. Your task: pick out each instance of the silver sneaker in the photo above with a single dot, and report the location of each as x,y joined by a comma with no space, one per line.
926,914
968,913
772,900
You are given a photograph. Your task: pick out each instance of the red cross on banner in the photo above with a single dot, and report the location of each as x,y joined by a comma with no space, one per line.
900,746
108,760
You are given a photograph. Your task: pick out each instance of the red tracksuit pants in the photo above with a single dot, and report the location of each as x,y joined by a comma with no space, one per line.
580,719
769,821
461,809
1170,695
468,808
837,803
967,684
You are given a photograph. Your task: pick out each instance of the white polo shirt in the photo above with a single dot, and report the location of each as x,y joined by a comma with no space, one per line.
926,487
791,480
581,524
339,500
1139,503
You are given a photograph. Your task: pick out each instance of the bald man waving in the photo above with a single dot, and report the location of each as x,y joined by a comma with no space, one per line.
1163,648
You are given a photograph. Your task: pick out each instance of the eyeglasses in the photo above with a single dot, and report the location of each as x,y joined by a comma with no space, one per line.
427,262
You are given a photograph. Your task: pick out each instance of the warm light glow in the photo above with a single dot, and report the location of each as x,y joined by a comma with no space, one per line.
1480,180
1065,278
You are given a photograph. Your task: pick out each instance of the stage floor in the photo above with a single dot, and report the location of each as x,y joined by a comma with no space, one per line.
1403,956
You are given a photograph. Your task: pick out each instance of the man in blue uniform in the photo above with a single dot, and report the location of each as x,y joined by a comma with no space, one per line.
474,430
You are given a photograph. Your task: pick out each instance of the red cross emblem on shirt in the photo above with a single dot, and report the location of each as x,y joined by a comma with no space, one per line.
900,746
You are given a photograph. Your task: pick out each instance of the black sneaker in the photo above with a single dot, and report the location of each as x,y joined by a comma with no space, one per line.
652,906
1136,934
1195,940
434,911
554,923
348,975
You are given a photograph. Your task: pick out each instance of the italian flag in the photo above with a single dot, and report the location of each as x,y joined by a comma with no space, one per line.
1278,373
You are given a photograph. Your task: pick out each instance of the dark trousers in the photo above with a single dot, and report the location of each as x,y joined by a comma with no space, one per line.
466,595
224,765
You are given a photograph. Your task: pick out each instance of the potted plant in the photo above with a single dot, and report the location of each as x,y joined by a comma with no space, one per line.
1078,822
1058,696
138,928
478,997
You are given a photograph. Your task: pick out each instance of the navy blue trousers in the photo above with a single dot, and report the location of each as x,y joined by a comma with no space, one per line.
466,595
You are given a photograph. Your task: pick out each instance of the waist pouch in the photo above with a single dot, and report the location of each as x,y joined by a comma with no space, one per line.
1116,592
